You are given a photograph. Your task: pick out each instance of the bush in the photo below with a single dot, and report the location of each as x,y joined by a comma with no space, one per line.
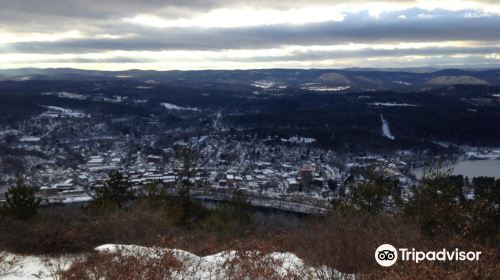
111,266
116,191
21,201
233,217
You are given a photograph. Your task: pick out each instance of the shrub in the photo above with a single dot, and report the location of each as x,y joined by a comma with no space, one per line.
21,201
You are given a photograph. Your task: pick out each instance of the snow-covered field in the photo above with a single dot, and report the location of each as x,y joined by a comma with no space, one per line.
299,140
55,112
263,84
402,83
170,106
385,129
392,104
36,267
320,88
65,94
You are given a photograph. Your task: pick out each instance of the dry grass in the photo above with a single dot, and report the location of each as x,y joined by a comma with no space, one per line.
345,242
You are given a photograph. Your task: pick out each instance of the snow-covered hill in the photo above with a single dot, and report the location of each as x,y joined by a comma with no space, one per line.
193,267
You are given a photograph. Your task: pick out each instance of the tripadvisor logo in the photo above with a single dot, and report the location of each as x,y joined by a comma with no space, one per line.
387,255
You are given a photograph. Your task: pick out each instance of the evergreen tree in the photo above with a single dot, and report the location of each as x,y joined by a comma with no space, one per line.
21,201
437,204
370,196
155,196
117,190
188,158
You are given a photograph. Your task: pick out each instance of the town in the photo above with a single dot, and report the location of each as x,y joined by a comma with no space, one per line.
68,154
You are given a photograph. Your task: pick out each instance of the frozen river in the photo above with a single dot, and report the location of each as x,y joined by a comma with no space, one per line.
473,168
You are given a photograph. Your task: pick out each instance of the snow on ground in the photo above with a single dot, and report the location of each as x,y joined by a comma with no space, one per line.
59,109
212,267
321,88
56,112
263,84
403,83
29,139
65,111
36,267
385,128
299,140
194,267
65,94
170,106
151,82
392,104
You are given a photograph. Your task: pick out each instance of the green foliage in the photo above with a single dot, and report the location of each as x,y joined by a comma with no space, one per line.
116,191
436,203
188,158
155,196
484,211
369,196
21,201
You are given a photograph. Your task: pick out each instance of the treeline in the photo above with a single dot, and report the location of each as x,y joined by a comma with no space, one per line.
451,114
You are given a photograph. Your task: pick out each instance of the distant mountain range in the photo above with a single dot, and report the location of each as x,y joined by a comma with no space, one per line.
352,79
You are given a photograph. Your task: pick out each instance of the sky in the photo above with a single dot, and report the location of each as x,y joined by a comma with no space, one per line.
244,34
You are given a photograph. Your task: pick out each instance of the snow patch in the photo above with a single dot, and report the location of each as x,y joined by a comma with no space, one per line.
212,266
36,267
385,129
29,139
402,83
65,94
56,112
320,88
263,84
170,106
392,104
299,140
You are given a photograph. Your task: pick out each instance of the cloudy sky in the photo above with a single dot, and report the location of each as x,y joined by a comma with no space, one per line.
243,34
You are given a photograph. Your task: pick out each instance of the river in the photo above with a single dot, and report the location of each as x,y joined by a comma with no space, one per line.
472,168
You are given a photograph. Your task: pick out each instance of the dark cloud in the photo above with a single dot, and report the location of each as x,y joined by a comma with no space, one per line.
319,55
312,55
97,17
356,28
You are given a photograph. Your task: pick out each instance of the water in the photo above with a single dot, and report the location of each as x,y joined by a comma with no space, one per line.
269,217
473,168
476,168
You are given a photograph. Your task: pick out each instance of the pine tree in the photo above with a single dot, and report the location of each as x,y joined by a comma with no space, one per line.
21,201
117,190
188,158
